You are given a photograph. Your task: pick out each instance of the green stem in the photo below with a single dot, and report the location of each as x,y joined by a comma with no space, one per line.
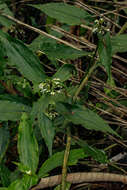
124,27
85,80
65,161
68,144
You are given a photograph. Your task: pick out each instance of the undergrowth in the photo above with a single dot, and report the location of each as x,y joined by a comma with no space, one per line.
63,97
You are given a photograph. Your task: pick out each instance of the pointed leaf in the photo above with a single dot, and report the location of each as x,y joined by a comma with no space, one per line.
4,141
65,13
65,72
80,115
96,154
56,160
119,43
12,110
47,130
27,145
22,58
105,52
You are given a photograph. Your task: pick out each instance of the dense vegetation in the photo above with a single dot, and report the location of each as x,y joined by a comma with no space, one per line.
63,97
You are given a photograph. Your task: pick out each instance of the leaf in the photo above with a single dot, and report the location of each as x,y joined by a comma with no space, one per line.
27,145
40,106
17,184
25,183
65,13
65,72
47,130
12,110
4,21
4,175
119,43
22,58
56,51
80,115
4,141
105,52
96,154
56,160
29,181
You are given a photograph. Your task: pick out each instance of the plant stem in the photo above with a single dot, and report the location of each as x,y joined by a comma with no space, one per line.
68,144
85,80
124,27
65,161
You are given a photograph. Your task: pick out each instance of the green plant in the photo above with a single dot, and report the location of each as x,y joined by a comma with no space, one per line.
48,104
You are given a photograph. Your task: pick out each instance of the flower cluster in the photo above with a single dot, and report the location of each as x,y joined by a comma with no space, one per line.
51,86
99,26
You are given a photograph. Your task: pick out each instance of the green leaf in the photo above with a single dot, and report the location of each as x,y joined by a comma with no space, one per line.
80,115
119,43
105,52
16,185
4,21
54,50
96,154
24,183
22,58
65,13
12,110
4,141
4,175
27,145
56,160
47,130
29,181
3,188
65,72
40,106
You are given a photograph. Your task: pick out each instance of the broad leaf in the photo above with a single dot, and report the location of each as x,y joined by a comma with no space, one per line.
105,52
119,43
80,115
96,154
65,72
54,50
4,21
12,110
27,145
65,13
47,130
4,141
22,58
56,160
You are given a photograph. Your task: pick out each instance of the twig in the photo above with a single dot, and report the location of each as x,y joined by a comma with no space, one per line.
39,31
81,178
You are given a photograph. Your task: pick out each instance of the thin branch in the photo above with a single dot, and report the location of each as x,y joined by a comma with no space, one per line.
81,178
